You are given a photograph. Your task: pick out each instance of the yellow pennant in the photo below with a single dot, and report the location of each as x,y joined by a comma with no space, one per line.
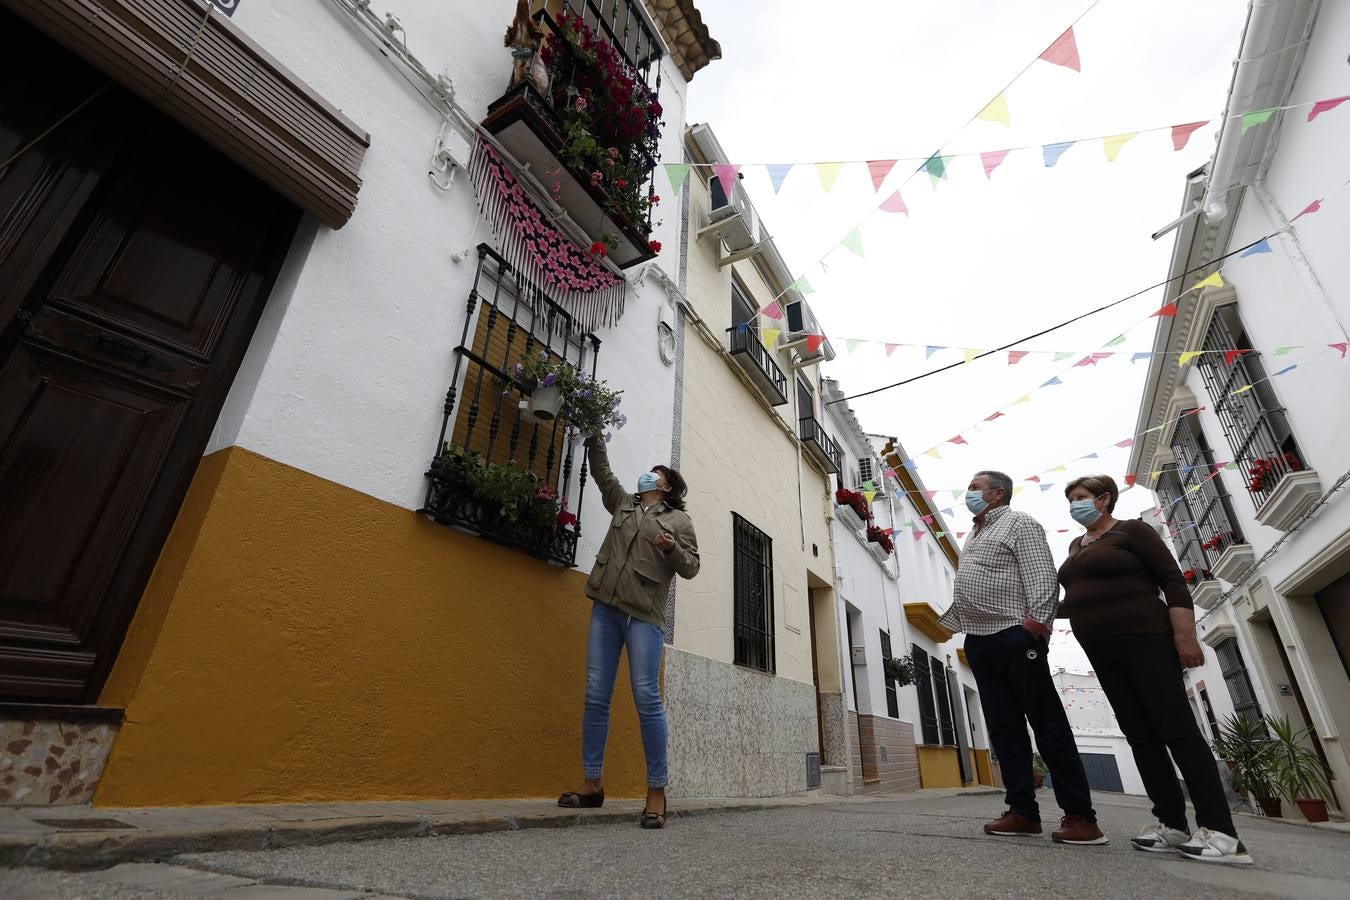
1242,390
869,495
1188,356
1059,469
934,453
1215,280
971,355
1025,398
828,172
771,336
1019,489
1113,144
1155,475
1194,488
997,111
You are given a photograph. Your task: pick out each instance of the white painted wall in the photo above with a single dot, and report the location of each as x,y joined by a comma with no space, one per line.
1094,724
347,373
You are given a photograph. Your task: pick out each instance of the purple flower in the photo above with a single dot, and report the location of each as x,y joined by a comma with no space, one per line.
549,380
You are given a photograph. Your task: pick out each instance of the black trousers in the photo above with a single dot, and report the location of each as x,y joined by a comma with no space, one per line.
1141,676
1013,675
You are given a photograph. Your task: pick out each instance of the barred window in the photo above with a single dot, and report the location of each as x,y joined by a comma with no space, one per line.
1239,683
1253,420
923,683
946,722
892,698
866,470
1204,499
752,597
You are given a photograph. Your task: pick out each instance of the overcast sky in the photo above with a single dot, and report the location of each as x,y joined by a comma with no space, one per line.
978,261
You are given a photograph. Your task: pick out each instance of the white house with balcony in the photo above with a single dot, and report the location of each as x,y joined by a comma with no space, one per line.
1245,442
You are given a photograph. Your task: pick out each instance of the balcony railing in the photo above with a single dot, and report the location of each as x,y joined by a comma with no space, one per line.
757,360
819,445
499,472
583,114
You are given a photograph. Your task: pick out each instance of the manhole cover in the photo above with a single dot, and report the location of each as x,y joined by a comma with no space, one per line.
83,824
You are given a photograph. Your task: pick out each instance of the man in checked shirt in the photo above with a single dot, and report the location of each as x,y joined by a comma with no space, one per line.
1004,599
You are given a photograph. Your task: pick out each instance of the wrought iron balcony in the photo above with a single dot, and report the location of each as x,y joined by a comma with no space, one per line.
582,112
757,361
822,448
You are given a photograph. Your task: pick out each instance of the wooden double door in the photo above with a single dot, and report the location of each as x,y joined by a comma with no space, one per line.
134,264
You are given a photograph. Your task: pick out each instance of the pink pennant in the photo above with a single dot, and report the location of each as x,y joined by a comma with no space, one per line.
1035,478
997,415
1016,356
1128,442
890,348
726,173
1181,134
813,342
957,440
992,160
879,169
1091,359
895,204
1308,210
1340,348
1167,311
1322,106
773,310
930,495
888,532
928,520
918,535
960,534
1063,52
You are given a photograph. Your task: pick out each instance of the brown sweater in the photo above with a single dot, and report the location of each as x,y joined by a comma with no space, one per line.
1111,586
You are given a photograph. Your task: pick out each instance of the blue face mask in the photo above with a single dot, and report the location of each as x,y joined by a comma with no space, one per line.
1085,512
648,481
975,502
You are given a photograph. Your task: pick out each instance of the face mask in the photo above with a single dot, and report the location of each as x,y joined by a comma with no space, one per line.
975,502
1085,512
648,481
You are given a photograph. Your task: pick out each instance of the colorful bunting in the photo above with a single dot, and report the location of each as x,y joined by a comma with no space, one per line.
918,535
777,172
991,160
1242,390
813,342
1188,356
1052,382
957,440
879,169
1181,134
936,167
895,204
1232,356
802,286
1116,341
1257,117
1166,312
1061,355
1016,356
1281,351
1025,398
890,348
727,175
1054,151
1215,280
930,350
1261,246
1340,348
1138,356
771,336
773,311
997,415
1322,106
1308,210
972,355
997,111
1113,144
1128,442
828,172
934,453
1063,52
852,344
853,241
676,173
1285,371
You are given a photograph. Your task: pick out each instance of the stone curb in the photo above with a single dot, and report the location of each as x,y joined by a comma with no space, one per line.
69,850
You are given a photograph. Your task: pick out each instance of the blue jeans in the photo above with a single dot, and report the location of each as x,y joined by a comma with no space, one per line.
611,631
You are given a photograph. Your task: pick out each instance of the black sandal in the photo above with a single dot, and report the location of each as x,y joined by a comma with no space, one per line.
655,820
573,800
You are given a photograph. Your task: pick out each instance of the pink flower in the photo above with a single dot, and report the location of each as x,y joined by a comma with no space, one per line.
581,104
596,178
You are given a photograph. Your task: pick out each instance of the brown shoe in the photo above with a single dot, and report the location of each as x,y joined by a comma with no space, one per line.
1013,824
1074,830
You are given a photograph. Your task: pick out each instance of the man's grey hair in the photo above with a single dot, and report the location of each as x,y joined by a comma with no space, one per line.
999,480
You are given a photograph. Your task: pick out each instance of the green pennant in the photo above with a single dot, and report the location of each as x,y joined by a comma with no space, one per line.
1281,351
853,241
677,173
1258,117
1117,342
802,286
936,167
852,344
1063,355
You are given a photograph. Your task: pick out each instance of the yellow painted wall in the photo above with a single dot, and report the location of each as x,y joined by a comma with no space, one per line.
301,641
737,460
939,767
984,771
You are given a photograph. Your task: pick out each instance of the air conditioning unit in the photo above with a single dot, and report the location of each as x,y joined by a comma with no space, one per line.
732,218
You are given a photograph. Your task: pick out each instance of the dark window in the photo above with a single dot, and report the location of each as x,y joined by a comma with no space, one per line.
928,718
1209,712
1201,496
892,698
1239,684
1254,421
753,596
946,723
742,310
806,399
866,471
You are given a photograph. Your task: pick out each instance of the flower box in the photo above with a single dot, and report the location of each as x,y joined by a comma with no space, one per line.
1292,496
1234,561
1206,594
848,517
879,552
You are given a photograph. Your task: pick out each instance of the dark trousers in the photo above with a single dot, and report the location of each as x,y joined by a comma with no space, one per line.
1015,689
1141,676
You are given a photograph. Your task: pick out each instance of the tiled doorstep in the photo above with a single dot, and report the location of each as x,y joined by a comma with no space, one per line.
162,833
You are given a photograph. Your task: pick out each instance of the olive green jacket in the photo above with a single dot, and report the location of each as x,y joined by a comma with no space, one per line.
630,571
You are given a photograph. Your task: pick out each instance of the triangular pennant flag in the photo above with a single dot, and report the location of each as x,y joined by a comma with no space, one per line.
1261,246
879,169
1052,382
1128,442
992,159
1166,312
1281,351
1016,356
947,511
1019,489
930,350
895,204
828,172
1257,117
1057,469
1035,478
961,534
1232,356
1054,151
996,111
1117,341
957,440
870,495
1089,456
1063,52
802,286
852,344
1322,106
1181,134
1062,355
933,453
676,173
1092,359
1188,356
957,495
930,494
727,175
777,172
890,348
1047,487
927,520
1215,280
936,167
939,534
1340,348
1138,356
1242,390
1025,398
997,415
918,535
1308,210
813,342
853,241
972,355
1113,144
742,328
774,310
1285,371
771,336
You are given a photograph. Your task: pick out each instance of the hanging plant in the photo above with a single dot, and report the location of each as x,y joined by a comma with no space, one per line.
588,405
898,669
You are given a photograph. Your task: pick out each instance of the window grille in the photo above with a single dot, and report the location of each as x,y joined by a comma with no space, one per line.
892,697
1239,683
1206,499
923,683
946,722
753,596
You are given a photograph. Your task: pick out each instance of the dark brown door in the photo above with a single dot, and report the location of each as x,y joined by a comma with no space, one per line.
134,263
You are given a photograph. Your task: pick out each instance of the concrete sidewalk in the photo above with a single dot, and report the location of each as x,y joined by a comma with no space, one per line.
81,837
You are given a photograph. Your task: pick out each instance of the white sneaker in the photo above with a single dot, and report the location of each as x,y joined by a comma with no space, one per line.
1215,847
1158,838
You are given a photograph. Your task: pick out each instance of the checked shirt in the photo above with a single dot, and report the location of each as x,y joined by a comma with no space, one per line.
1006,574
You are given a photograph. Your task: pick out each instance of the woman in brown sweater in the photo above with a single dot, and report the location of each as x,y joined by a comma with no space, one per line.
1138,642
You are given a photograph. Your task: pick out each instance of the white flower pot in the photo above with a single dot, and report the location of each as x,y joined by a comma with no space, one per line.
545,403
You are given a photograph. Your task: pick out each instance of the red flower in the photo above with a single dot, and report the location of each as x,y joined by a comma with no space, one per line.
621,182
655,246
654,199
599,249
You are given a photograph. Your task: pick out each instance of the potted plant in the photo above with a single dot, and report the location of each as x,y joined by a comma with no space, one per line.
1246,746
854,501
1038,770
1195,576
557,389
877,535
1298,771
898,669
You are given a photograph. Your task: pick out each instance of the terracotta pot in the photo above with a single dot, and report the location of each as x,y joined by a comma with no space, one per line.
1313,810
1271,807
545,403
